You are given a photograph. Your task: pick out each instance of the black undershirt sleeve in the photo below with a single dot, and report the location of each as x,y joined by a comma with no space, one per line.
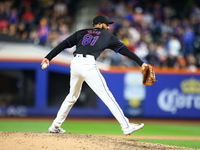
126,52
67,43
60,47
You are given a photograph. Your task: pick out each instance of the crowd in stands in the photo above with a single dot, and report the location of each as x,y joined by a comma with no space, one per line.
161,32
44,22
164,33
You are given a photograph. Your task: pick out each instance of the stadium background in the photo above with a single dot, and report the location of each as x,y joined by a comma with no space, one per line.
162,33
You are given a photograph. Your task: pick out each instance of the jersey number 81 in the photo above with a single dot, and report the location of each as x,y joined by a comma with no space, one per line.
89,39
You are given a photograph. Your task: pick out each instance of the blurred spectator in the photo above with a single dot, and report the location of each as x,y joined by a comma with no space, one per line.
161,53
174,46
188,39
152,56
138,15
3,26
12,30
43,31
166,27
104,7
171,60
195,13
3,19
13,16
147,18
53,35
197,47
63,32
21,31
60,9
156,33
158,12
28,17
116,59
181,61
120,8
141,50
168,12
192,63
34,36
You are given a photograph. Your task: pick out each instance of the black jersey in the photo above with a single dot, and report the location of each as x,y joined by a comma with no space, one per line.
93,42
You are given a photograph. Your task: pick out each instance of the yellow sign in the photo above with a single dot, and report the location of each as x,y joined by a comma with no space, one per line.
191,86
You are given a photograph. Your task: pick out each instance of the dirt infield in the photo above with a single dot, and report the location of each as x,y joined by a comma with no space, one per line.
72,141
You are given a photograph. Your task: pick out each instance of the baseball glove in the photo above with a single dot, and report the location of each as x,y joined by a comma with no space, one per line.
148,75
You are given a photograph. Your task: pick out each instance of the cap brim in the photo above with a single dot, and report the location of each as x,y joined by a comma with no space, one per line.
110,22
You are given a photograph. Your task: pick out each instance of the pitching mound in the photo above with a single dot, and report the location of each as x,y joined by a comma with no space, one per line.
72,141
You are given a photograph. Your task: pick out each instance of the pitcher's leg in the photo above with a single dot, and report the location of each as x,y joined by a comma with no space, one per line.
97,82
75,89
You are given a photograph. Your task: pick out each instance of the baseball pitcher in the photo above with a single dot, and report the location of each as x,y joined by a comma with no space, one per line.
90,43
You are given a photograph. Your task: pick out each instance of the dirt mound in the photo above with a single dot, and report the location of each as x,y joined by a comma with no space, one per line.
72,141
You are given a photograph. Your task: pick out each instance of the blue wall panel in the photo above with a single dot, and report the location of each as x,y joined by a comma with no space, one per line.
172,96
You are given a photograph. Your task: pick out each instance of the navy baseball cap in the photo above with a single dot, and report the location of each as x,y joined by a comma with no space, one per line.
102,19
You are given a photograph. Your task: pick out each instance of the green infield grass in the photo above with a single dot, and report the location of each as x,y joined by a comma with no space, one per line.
182,143
110,128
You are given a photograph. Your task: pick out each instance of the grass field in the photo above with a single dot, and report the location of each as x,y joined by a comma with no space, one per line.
111,128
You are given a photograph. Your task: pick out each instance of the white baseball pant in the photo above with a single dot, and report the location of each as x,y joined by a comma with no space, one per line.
85,69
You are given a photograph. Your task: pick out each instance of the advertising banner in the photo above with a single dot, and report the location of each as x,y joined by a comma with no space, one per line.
134,94
173,96
27,90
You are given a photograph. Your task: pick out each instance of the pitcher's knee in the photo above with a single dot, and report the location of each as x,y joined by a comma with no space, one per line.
71,100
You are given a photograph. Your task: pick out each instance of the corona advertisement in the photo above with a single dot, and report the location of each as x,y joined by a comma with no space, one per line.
179,97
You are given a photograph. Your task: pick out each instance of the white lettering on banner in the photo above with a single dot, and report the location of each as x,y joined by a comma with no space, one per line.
172,100
20,111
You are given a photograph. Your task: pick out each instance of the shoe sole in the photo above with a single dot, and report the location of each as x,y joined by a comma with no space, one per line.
53,132
133,131
57,132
